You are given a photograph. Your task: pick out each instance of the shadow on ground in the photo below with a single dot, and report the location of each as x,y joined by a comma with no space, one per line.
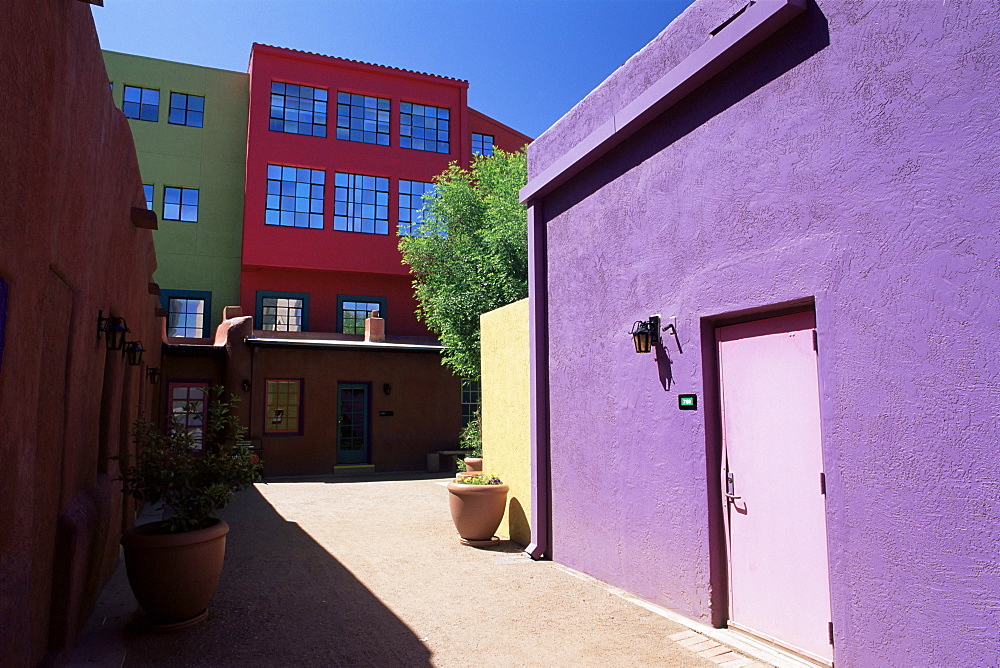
283,600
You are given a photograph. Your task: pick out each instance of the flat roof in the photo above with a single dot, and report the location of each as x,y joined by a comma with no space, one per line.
335,343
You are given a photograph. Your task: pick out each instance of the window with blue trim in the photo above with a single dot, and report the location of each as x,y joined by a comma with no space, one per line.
295,197
361,204
187,312
186,110
180,204
482,144
282,311
424,128
147,190
362,118
411,202
353,309
299,110
141,103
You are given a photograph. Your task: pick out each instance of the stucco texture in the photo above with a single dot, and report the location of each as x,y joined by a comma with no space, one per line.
850,159
68,251
506,413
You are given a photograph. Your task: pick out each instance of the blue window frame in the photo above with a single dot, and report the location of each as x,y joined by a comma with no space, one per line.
361,204
295,197
188,312
141,103
410,203
424,128
147,190
363,118
282,311
299,110
180,204
482,144
353,309
186,110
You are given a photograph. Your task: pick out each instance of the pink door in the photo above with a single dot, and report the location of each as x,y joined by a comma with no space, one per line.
778,568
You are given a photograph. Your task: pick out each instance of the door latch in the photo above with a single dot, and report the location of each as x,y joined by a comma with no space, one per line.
730,488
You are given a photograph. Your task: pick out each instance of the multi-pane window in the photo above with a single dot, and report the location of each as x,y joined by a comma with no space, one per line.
482,144
185,317
353,311
187,110
281,415
281,314
295,197
424,128
410,203
300,110
361,204
362,118
141,103
180,204
472,398
147,190
188,409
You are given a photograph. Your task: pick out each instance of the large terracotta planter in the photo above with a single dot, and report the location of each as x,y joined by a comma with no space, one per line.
173,576
477,510
474,465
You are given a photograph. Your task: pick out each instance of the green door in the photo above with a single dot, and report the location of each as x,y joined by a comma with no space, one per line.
352,423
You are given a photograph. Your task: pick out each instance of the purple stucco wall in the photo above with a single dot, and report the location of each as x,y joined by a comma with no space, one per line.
851,159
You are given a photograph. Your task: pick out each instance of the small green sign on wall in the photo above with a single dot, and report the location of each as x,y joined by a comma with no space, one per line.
687,402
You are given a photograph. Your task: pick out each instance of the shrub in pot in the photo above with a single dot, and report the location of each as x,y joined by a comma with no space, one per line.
174,564
477,506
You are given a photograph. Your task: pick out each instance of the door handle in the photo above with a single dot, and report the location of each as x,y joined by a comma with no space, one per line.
731,497
730,488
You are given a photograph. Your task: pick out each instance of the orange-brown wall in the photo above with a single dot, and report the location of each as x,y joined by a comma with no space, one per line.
68,249
424,399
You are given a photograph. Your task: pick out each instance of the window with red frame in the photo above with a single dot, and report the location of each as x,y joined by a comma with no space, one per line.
282,415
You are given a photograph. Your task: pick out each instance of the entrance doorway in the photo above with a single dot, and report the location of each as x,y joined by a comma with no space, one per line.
352,423
773,483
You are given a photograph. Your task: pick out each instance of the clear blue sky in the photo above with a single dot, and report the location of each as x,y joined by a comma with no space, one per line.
527,61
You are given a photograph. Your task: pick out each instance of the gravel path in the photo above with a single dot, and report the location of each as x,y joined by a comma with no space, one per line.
371,573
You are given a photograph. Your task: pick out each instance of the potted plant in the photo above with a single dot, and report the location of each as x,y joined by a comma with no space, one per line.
471,440
173,565
477,506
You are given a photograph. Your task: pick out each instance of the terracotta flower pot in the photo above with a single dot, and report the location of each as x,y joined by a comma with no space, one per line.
173,575
477,510
473,464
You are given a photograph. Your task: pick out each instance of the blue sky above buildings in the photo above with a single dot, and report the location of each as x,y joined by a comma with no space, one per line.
528,61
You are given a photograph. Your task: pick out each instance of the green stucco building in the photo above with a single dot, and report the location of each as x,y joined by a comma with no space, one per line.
190,129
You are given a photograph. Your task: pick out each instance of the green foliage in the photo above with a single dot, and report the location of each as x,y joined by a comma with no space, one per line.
471,438
193,484
478,480
472,254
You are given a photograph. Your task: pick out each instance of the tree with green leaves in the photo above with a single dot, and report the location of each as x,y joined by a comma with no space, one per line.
471,253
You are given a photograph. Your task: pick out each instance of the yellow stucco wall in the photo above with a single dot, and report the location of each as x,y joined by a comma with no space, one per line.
506,412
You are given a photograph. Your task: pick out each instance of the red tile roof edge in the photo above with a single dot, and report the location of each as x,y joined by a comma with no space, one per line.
355,62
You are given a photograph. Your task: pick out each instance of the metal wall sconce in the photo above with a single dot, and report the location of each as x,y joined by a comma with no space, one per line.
646,334
246,385
133,351
153,374
114,330
386,389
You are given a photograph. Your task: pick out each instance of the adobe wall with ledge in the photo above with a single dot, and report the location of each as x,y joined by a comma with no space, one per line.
68,249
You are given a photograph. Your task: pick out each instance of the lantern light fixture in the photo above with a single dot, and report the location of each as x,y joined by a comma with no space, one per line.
646,334
114,330
133,351
153,374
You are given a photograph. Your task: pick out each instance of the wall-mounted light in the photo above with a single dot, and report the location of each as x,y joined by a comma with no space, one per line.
386,389
114,330
152,373
646,333
246,385
133,351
